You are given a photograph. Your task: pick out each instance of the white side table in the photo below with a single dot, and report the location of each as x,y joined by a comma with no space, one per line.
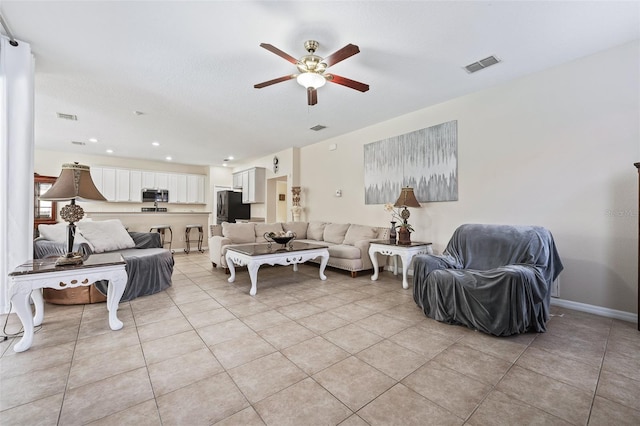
392,248
27,280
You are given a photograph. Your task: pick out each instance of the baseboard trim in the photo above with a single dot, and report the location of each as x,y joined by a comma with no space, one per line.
593,309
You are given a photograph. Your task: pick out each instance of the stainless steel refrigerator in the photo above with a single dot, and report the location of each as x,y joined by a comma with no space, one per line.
230,207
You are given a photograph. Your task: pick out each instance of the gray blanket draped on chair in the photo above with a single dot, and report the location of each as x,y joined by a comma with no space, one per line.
492,278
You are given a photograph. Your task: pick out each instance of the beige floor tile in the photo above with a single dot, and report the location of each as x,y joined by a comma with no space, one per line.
456,392
202,304
15,364
286,334
354,382
160,329
352,312
175,373
155,315
265,376
233,353
44,411
473,363
620,389
305,403
625,345
605,413
246,417
575,373
554,397
507,348
327,302
402,406
250,307
204,402
171,346
298,310
501,410
392,359
383,325
90,346
615,362
100,399
203,319
322,322
352,338
450,331
421,341
22,389
103,365
579,349
315,354
224,331
354,420
144,414
264,320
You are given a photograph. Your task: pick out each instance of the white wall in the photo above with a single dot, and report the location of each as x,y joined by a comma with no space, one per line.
555,148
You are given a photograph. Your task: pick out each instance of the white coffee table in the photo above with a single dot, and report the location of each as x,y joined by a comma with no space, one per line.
256,255
392,248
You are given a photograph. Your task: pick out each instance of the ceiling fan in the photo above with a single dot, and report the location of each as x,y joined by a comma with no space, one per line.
312,69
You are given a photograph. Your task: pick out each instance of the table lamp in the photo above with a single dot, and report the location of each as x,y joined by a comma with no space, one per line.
74,183
406,199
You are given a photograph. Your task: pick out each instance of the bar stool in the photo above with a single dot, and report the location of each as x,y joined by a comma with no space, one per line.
161,230
188,241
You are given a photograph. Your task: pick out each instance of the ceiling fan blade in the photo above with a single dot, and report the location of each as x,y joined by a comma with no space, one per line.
279,52
342,54
312,96
347,82
274,81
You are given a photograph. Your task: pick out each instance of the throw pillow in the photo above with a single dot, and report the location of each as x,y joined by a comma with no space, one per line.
334,232
359,233
239,232
106,235
261,228
315,231
58,233
299,228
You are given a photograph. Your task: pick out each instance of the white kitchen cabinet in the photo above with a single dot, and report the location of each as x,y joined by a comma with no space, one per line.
181,196
96,176
135,186
253,185
122,185
237,180
162,180
109,183
195,189
149,180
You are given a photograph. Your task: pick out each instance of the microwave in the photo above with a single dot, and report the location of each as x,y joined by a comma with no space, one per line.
155,195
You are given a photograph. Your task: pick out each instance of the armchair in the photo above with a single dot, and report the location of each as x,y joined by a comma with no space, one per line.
492,278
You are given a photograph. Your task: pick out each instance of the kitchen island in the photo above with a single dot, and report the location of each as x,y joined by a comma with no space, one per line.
138,221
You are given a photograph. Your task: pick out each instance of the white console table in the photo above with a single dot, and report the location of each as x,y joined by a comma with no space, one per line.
392,248
27,280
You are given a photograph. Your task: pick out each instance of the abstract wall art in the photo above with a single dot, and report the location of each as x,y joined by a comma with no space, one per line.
426,159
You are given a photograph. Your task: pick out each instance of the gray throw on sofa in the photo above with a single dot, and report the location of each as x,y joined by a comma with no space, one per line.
149,266
492,278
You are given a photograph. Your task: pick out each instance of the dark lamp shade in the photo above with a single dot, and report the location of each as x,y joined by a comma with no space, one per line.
407,198
74,183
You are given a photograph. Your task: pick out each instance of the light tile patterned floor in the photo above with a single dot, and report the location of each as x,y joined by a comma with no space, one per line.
305,352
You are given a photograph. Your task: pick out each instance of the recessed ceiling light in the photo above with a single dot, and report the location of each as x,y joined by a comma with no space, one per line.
138,112
94,140
224,164
230,157
168,158
109,151
155,143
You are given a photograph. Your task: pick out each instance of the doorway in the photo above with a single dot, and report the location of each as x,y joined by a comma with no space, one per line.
277,199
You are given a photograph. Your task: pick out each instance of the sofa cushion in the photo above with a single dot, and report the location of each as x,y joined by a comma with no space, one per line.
315,230
299,228
58,233
239,232
358,233
106,235
262,228
343,251
335,232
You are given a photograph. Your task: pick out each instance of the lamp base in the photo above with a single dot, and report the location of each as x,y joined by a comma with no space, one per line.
69,259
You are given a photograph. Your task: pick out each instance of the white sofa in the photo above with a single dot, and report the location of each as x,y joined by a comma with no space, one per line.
348,244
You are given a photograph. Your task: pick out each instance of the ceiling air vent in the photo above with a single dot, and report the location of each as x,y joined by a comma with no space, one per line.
67,116
78,143
481,64
318,128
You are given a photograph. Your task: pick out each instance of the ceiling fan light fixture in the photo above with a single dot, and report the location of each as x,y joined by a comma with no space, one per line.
311,79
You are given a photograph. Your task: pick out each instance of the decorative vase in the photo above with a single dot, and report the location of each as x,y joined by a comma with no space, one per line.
404,236
392,231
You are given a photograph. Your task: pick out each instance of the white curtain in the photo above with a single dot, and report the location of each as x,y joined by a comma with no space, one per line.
16,160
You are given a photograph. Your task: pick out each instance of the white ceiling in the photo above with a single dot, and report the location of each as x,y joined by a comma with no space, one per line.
191,66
